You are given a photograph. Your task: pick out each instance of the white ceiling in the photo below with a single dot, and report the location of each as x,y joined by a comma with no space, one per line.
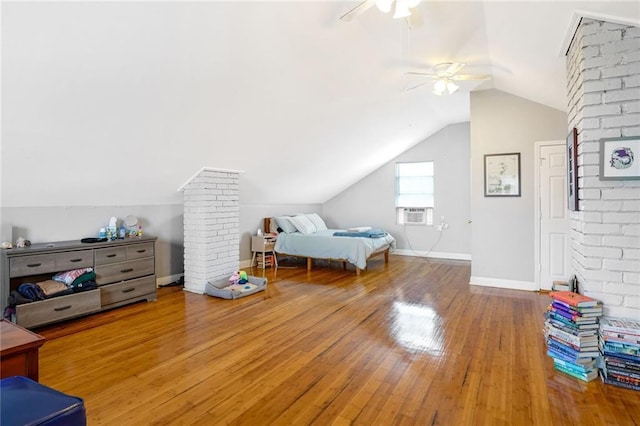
145,94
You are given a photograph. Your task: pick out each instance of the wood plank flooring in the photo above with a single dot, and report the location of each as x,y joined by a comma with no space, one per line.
408,343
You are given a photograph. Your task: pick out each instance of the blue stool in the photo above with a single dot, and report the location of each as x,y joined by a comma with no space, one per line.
25,402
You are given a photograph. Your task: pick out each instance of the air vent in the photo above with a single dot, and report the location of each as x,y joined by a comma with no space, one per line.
414,216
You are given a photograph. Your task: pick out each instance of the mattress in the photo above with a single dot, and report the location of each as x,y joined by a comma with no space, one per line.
324,245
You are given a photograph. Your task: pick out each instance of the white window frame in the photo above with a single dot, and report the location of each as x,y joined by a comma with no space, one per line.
417,208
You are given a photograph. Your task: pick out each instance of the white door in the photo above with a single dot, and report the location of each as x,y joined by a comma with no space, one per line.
554,262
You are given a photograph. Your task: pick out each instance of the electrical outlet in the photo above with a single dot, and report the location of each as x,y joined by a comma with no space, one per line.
443,225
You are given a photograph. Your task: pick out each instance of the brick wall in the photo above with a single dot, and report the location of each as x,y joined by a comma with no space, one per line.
603,77
211,228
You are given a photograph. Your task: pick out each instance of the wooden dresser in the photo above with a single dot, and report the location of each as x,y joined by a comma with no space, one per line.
125,273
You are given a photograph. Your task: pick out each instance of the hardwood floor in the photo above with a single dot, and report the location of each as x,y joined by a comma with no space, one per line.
405,343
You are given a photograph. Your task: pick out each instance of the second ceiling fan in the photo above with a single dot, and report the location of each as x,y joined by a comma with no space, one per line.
444,75
402,9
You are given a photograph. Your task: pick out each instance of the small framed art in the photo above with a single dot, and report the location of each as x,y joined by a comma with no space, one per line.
572,170
619,158
502,175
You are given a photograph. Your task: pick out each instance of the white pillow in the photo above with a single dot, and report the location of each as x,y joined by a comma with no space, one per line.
317,221
303,224
285,224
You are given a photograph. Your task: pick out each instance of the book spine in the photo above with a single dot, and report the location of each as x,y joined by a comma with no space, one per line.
569,351
573,299
612,381
617,326
621,355
622,363
575,341
617,371
559,355
582,348
581,369
571,373
623,378
621,337
632,350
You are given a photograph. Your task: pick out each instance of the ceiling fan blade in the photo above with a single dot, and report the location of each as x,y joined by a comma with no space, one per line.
420,73
471,77
416,86
358,10
454,68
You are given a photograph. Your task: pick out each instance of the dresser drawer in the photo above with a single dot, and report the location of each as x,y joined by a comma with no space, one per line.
57,308
32,265
105,256
115,272
74,260
114,293
138,251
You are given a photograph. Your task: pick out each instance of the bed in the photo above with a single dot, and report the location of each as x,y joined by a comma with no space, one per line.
319,242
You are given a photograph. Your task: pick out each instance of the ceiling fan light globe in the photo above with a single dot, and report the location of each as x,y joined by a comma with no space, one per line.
452,87
402,11
440,86
384,5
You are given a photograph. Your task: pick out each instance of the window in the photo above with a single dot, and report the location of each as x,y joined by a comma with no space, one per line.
414,193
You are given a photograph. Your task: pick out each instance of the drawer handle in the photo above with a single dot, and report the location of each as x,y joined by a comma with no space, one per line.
34,265
111,255
124,271
75,260
62,308
141,251
129,290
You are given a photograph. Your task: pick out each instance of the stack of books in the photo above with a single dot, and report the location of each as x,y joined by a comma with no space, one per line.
571,330
620,347
568,285
265,260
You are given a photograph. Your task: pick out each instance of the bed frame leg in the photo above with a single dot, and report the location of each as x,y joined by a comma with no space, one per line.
358,271
386,256
344,266
309,263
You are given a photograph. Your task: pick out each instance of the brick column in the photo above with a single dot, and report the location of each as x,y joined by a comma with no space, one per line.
603,75
211,227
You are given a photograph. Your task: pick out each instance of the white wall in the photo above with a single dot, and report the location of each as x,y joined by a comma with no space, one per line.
502,242
371,201
119,102
603,65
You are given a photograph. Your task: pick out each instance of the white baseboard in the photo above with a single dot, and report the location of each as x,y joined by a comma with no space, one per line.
161,281
502,283
433,254
193,290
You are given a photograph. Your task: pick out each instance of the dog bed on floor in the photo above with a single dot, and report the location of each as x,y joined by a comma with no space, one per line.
225,290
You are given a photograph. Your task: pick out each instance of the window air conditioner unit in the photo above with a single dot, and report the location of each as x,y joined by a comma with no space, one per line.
412,216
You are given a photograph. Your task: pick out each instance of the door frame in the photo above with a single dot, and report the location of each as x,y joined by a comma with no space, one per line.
537,217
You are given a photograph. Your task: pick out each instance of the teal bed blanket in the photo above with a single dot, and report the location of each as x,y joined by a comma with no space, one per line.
372,233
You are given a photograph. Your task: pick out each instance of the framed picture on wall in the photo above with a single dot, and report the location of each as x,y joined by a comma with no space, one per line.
619,158
572,170
502,175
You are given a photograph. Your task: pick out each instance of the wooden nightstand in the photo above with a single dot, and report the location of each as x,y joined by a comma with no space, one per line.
262,247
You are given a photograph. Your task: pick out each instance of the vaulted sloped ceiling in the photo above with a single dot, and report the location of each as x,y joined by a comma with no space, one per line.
117,103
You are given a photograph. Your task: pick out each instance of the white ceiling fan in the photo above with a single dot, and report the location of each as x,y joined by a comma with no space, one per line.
403,9
444,75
